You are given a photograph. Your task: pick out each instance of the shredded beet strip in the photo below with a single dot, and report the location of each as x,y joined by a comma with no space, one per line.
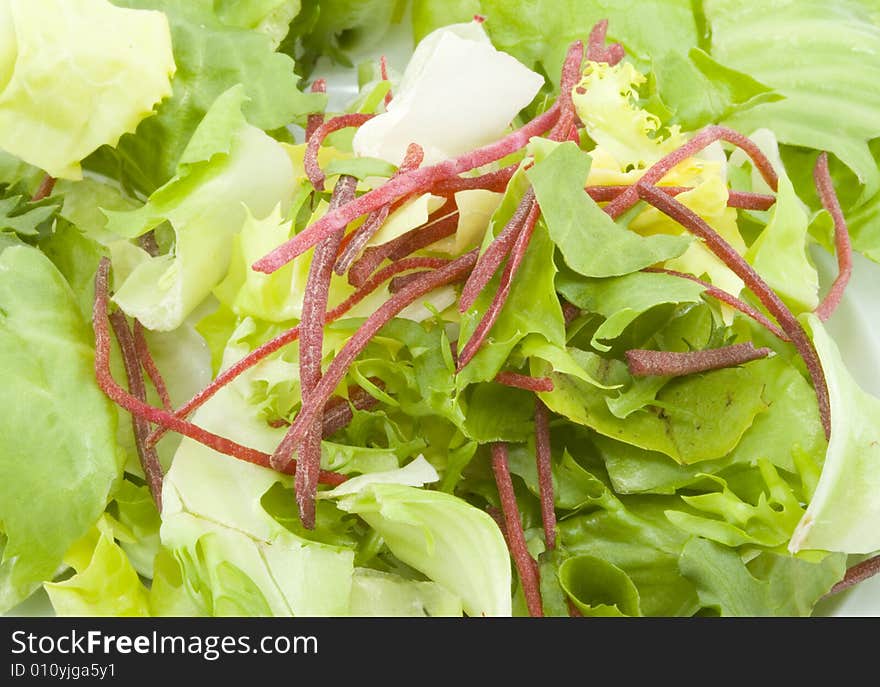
490,181
495,252
731,300
283,339
313,145
516,538
383,70
707,136
525,382
454,271
428,264
736,199
45,188
338,410
314,121
789,323
517,254
311,326
148,456
571,75
545,473
856,574
418,181
825,188
598,51
374,221
155,415
149,365
421,237
570,312
647,363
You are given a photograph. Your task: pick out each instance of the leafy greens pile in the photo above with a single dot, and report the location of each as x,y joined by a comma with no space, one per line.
532,328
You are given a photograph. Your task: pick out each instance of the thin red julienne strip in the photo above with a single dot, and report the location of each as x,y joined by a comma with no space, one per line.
283,339
314,311
490,181
697,226
314,121
742,200
598,51
704,138
45,188
383,71
825,188
338,410
525,382
856,574
416,182
149,459
155,415
544,462
495,252
571,75
427,264
648,363
517,254
405,244
731,300
516,538
310,159
149,365
454,271
360,237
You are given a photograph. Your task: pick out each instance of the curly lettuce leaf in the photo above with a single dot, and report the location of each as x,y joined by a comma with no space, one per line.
69,446
66,74
380,594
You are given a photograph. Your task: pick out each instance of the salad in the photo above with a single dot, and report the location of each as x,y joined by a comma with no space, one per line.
532,324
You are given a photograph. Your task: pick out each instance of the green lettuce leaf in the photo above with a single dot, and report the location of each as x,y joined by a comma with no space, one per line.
211,58
229,168
592,243
69,447
823,58
598,588
450,541
66,74
841,514
377,593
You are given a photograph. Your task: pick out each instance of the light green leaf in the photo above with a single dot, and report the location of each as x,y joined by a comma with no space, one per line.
66,71
598,588
376,593
69,447
842,513
591,242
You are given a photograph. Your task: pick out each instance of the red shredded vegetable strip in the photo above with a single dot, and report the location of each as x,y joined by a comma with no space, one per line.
789,323
545,473
428,264
454,271
525,382
383,70
495,252
731,300
490,181
405,244
155,415
416,182
314,121
313,145
374,221
736,199
516,538
856,574
149,459
648,363
825,188
283,339
598,51
149,365
517,254
704,138
314,310
45,188
571,74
